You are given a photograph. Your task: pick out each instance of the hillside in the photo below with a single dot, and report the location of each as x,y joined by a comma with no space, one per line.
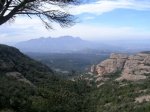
12,59
29,86
133,68
123,84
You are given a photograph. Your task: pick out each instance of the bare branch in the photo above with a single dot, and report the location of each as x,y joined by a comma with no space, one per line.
10,8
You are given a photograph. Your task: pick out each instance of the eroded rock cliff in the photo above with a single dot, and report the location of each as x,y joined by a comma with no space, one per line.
133,68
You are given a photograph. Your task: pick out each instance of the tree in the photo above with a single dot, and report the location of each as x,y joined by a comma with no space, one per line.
43,9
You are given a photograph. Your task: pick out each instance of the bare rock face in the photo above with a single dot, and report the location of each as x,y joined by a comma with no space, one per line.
93,69
141,99
131,77
118,56
134,67
113,64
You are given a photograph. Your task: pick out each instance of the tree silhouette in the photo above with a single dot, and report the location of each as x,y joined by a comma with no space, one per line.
44,9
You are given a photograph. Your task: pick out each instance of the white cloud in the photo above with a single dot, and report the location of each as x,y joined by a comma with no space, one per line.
88,18
25,29
102,6
22,29
89,32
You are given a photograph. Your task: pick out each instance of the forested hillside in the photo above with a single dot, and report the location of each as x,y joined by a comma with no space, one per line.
29,86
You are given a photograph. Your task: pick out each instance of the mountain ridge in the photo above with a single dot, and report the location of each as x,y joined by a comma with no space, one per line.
132,67
12,60
29,86
63,44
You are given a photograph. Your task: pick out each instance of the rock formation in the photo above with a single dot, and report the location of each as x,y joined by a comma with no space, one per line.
113,64
134,67
19,77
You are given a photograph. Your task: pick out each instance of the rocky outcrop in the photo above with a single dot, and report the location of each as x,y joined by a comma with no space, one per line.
134,67
19,77
113,64
141,99
131,77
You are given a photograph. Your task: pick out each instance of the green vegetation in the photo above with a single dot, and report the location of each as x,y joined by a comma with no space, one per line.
115,96
53,95
50,93
78,62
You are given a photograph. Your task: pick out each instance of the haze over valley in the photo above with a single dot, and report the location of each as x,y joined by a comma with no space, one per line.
70,44
74,56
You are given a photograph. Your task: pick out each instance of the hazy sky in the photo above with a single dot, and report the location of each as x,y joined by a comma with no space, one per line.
97,20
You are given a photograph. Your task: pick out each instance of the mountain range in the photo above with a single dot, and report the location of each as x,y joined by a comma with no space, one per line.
70,44
64,44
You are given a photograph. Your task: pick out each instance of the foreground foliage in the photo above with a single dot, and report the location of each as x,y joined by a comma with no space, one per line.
50,93
53,94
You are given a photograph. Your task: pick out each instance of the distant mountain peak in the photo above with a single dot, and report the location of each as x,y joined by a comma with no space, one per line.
69,37
61,44
57,38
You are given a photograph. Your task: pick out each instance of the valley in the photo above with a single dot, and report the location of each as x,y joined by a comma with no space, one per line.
30,86
74,56
78,62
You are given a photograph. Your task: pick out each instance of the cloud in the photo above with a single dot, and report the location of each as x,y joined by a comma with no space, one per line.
88,18
25,29
102,6
89,32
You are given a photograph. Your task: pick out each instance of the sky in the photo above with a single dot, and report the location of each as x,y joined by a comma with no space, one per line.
97,20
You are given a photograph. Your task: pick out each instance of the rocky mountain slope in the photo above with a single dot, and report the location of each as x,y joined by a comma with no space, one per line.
17,65
29,86
133,68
